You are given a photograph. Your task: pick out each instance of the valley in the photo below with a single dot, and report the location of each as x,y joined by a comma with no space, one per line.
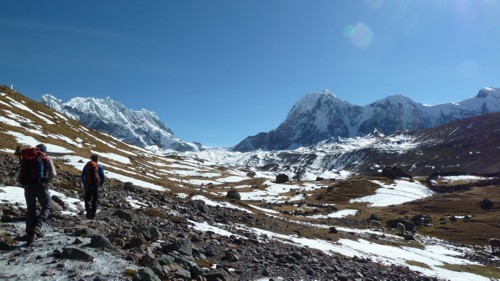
222,214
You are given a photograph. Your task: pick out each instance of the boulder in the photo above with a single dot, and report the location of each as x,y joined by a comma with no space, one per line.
146,274
100,241
148,233
486,204
281,178
233,194
73,254
123,215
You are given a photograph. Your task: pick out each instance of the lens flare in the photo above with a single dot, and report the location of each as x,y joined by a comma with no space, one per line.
360,34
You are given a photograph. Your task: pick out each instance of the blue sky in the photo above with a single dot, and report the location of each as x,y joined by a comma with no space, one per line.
218,71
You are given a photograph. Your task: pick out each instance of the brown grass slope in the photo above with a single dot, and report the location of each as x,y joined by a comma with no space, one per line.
35,120
472,142
469,146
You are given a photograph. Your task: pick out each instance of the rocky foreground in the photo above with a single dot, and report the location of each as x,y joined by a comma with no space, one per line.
158,242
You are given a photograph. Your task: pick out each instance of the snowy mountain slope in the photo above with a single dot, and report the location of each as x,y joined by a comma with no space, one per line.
320,116
468,145
339,158
142,128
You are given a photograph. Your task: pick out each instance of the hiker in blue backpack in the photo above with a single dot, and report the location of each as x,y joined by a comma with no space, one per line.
37,170
92,179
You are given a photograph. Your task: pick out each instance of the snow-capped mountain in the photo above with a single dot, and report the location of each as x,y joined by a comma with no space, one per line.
142,128
468,145
321,116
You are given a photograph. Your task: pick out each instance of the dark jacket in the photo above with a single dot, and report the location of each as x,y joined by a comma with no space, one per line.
100,172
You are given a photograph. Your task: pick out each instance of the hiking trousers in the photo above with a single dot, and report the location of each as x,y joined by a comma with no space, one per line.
91,199
32,193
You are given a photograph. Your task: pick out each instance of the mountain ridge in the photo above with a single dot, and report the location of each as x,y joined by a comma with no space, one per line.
142,127
319,116
462,146
312,119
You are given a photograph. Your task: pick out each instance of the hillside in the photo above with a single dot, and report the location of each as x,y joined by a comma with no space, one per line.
169,216
467,145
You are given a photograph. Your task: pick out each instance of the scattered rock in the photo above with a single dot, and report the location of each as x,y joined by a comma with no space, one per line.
73,254
486,204
233,194
100,241
146,274
282,178
123,215
48,272
59,201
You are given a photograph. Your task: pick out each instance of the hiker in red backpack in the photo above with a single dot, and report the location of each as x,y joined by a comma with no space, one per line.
37,170
92,179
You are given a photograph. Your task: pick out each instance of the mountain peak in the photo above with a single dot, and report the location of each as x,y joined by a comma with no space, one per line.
314,101
376,133
489,92
327,92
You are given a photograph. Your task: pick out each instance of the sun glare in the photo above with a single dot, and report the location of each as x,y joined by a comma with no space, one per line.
360,34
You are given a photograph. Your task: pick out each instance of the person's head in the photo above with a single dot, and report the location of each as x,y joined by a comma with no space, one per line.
94,157
42,147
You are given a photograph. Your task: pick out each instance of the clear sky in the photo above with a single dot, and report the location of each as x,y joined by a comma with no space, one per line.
218,71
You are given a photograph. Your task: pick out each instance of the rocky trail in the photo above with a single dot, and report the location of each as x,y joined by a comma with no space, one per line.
161,243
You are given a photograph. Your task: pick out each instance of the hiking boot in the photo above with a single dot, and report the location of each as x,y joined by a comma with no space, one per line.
29,241
38,232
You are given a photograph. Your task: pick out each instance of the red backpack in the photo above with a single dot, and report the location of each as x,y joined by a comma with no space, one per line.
91,174
33,166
